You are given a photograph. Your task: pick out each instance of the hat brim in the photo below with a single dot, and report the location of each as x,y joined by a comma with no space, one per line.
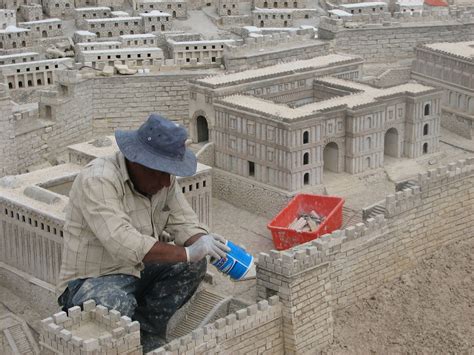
137,152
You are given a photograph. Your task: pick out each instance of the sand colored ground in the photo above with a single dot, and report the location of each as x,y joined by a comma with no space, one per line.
429,310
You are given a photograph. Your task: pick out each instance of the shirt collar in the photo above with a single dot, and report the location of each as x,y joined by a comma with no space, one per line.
123,167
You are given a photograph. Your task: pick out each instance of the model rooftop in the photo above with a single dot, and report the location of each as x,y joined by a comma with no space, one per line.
99,8
278,70
365,95
124,50
112,19
210,41
136,36
363,4
43,61
464,50
41,21
18,55
155,13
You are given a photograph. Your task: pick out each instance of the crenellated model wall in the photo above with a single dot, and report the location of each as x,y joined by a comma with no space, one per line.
255,329
338,269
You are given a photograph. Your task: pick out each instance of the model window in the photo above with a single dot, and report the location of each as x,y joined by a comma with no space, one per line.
427,109
251,168
305,137
305,158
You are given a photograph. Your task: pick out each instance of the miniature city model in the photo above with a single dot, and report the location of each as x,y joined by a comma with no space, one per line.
370,101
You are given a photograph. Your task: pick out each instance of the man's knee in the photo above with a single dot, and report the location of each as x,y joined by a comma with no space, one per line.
199,268
196,270
109,295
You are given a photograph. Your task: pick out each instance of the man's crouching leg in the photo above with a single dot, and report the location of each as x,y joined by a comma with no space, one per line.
161,291
112,291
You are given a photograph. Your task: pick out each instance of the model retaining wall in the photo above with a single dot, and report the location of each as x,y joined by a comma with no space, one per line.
121,102
237,60
394,42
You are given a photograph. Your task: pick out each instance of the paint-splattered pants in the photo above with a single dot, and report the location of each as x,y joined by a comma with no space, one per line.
151,299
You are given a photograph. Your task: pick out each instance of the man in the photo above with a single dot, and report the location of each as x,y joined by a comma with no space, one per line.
119,206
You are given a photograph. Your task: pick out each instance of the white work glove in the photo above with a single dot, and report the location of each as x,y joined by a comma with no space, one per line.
208,244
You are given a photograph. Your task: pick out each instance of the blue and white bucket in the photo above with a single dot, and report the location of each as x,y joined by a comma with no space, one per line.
237,263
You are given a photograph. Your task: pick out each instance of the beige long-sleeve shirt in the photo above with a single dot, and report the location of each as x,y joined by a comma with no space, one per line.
110,227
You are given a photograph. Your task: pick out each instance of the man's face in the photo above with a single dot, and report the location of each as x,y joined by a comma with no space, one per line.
147,181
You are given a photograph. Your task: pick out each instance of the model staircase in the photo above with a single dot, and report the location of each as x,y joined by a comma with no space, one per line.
376,210
350,217
15,336
204,307
405,185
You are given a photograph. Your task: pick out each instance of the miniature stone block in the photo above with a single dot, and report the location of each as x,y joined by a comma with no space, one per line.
65,334
133,327
220,323
241,314
252,309
350,232
88,305
46,321
105,339
60,317
124,320
262,305
90,344
76,341
101,310
118,332
54,328
114,315
74,311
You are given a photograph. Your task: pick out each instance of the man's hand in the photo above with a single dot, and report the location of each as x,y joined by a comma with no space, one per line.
208,244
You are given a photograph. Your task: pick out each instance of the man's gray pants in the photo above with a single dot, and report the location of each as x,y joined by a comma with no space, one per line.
151,299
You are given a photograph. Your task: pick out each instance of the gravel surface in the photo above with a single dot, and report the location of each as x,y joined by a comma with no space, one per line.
429,310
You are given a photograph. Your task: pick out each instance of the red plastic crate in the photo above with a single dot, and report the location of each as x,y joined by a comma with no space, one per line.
328,206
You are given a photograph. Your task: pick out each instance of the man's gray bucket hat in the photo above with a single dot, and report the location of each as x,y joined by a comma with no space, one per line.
158,144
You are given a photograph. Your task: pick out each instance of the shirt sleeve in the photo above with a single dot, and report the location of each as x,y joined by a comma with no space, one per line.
103,211
182,222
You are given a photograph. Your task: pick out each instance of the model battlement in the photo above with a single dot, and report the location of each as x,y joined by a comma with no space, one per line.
317,252
232,326
64,332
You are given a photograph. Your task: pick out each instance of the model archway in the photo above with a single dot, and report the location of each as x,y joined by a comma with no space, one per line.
331,157
202,129
391,143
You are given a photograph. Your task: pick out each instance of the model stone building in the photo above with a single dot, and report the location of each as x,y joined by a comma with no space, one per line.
13,38
450,66
58,8
153,21
31,12
228,8
198,52
285,130
47,28
274,4
272,18
177,8
7,18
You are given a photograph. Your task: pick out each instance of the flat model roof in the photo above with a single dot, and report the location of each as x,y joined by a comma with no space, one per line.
463,50
279,69
366,94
